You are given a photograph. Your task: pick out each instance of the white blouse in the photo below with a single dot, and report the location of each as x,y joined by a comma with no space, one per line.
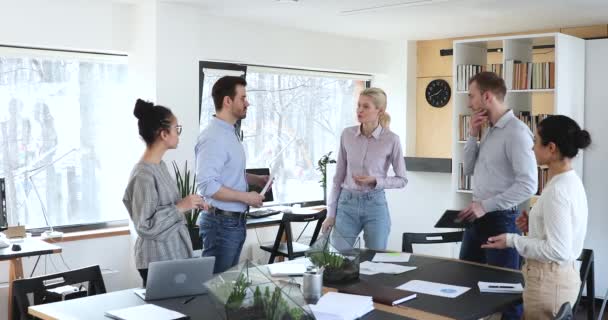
557,222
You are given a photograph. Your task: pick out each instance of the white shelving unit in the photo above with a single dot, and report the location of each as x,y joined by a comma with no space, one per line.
568,92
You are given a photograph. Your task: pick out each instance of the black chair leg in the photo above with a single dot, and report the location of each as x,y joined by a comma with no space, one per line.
591,293
272,257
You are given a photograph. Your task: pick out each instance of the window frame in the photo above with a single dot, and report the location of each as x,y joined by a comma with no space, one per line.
244,67
47,52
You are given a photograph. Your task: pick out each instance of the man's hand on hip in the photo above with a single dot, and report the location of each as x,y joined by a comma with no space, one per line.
474,211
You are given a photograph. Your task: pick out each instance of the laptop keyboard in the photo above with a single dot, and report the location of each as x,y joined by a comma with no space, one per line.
262,213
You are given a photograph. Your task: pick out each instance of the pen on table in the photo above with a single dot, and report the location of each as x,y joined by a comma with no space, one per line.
505,287
189,299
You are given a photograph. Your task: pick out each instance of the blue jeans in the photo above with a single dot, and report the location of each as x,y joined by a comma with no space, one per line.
367,211
222,238
492,224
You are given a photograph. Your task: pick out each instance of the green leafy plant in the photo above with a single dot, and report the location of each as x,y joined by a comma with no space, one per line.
327,259
186,187
239,291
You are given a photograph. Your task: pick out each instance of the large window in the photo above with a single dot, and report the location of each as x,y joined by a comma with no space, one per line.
294,118
62,116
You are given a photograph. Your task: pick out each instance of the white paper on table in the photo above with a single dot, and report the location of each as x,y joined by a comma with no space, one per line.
391,257
434,288
379,267
500,287
336,305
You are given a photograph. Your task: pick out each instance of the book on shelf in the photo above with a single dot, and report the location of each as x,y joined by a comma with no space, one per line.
543,178
530,120
464,72
464,182
496,68
464,124
529,75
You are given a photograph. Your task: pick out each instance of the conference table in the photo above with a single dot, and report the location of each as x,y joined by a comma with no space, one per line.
471,305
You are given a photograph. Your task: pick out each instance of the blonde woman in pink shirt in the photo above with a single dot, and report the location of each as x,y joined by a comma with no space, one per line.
357,201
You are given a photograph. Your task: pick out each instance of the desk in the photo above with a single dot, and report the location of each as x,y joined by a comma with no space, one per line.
275,220
470,305
29,247
93,307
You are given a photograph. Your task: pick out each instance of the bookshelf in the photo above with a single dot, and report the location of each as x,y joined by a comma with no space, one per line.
560,83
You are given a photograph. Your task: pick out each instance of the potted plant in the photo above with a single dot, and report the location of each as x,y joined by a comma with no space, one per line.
322,167
339,257
186,187
247,292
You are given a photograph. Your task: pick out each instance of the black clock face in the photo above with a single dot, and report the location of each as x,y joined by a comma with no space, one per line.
438,93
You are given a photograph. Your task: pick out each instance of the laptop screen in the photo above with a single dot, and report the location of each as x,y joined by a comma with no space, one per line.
268,197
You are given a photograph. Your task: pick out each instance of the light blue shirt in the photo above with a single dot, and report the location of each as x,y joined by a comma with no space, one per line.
220,161
503,164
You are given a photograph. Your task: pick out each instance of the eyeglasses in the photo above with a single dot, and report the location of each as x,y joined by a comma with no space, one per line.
178,128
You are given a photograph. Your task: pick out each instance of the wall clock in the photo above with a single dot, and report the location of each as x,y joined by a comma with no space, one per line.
438,93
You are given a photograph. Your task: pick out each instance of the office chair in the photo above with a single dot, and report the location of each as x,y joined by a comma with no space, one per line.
429,238
587,278
289,248
564,313
39,287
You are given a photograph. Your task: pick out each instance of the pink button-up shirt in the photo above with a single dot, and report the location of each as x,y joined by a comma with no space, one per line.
360,155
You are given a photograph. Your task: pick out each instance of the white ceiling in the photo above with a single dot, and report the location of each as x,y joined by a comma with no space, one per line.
440,19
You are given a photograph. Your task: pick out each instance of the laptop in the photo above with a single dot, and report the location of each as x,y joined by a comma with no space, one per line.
177,278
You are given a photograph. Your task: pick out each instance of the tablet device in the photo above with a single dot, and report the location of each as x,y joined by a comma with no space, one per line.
449,219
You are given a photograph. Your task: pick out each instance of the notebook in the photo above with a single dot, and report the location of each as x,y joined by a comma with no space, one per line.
145,311
380,294
449,219
498,287
342,306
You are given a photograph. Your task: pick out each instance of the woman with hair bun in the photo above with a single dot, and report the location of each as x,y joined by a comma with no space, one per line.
152,198
557,222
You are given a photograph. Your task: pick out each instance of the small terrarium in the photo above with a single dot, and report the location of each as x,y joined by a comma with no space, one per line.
338,256
247,292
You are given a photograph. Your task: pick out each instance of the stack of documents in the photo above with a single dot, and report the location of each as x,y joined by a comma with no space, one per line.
497,287
342,306
370,268
391,257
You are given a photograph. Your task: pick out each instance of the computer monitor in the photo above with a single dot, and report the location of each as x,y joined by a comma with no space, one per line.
268,197
3,221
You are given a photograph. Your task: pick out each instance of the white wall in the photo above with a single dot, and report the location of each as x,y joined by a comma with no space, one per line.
595,174
85,25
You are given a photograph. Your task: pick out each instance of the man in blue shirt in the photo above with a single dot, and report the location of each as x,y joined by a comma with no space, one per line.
221,177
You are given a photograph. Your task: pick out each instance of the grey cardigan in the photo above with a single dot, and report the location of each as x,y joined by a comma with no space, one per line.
150,198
